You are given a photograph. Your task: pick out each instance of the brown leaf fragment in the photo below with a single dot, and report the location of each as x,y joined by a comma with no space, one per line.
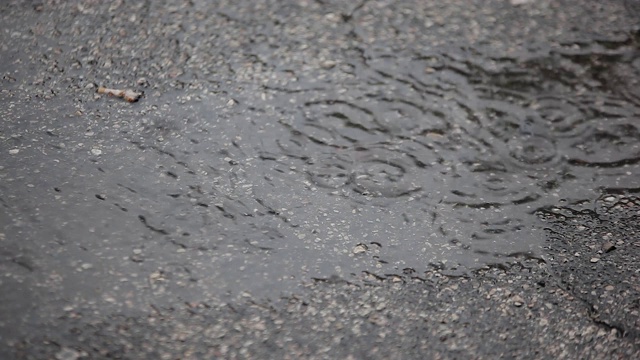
129,95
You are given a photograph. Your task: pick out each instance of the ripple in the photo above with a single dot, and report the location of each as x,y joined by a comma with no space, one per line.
565,117
632,85
483,184
516,132
381,172
330,171
404,117
385,173
611,145
338,122
532,150
503,120
400,68
343,112
495,232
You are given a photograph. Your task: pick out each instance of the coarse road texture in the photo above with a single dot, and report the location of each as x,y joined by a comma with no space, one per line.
320,179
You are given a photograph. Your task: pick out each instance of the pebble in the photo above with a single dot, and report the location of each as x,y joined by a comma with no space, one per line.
517,301
608,246
14,151
594,260
328,64
67,354
96,152
142,82
360,248
520,2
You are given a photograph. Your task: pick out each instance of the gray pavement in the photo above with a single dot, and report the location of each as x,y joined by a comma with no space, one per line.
320,179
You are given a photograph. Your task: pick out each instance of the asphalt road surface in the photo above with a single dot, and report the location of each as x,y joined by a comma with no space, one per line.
320,179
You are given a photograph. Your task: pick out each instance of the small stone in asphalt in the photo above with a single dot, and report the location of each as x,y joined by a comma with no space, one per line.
67,354
608,247
518,301
360,248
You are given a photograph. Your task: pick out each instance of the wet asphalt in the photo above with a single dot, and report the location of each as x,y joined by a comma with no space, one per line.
320,179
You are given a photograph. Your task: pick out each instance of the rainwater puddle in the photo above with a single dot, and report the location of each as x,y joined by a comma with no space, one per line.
415,161
386,163
444,158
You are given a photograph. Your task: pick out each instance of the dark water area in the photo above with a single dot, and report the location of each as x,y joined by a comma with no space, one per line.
446,156
239,171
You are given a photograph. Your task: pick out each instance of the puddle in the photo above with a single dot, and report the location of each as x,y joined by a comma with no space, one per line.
451,157
381,162
421,160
